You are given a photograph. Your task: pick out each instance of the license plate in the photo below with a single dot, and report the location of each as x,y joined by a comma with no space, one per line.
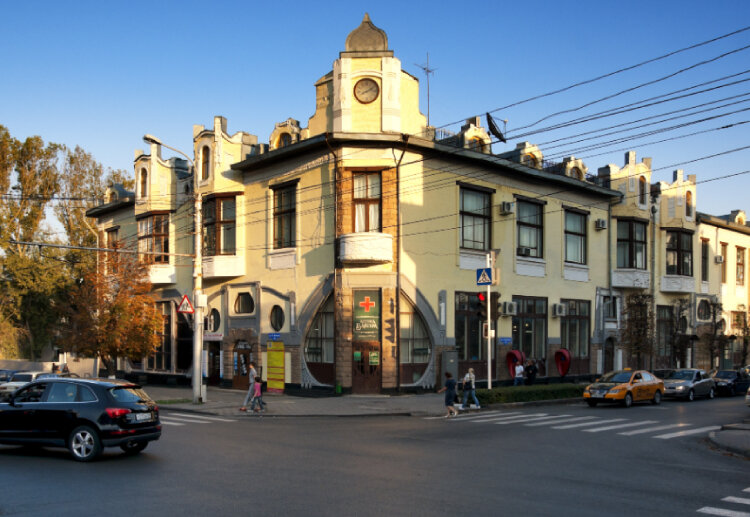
598,394
722,384
143,417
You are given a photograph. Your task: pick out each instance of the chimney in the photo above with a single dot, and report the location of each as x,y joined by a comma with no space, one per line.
630,158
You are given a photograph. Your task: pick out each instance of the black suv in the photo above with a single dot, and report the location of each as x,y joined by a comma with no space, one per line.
83,415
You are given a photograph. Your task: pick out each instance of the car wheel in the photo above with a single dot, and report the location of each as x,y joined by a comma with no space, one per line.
691,395
711,393
591,403
657,398
628,401
131,448
84,444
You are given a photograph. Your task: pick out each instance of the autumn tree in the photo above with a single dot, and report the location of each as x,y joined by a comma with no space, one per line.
110,313
679,340
711,335
638,329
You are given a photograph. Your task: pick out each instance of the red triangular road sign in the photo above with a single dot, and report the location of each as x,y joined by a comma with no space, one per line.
185,306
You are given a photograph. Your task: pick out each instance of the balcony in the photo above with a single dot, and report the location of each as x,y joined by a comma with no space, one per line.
677,284
366,248
162,274
222,266
631,278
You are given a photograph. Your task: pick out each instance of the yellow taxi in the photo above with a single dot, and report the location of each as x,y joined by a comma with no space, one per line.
625,386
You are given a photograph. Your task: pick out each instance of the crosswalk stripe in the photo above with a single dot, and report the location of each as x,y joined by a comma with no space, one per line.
548,417
747,489
483,415
583,424
202,417
653,429
173,419
563,420
510,418
688,433
170,423
619,426
738,500
723,512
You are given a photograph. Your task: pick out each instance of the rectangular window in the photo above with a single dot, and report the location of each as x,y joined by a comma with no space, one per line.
740,266
574,327
705,259
724,257
680,253
530,224
153,239
664,329
631,244
110,243
530,326
284,214
366,202
469,342
476,219
162,358
575,237
219,226
739,322
610,307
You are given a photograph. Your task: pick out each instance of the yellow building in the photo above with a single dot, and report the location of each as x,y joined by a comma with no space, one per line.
356,242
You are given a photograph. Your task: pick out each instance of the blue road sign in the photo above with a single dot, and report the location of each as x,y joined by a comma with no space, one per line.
274,336
484,276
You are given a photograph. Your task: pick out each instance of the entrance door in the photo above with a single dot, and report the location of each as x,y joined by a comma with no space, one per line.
366,366
241,379
214,364
609,355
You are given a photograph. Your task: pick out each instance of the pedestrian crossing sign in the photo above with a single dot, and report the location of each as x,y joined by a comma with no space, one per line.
484,276
185,306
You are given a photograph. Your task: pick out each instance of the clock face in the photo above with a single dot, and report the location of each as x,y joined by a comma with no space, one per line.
366,90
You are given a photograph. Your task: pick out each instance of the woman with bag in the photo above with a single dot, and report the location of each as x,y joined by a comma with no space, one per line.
470,389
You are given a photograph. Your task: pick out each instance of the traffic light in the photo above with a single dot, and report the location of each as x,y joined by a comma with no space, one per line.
482,307
494,305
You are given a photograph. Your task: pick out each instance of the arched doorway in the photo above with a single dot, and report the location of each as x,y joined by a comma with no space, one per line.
609,355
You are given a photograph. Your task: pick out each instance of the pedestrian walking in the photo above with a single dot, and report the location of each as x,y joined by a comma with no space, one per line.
251,388
518,379
531,371
450,394
256,404
470,389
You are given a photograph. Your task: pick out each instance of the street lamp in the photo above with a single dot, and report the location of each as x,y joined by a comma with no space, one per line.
198,297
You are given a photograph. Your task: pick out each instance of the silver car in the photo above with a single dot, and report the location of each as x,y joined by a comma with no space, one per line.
689,383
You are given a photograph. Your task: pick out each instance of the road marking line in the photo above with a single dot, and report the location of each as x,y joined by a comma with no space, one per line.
514,418
564,420
653,429
170,423
619,426
530,419
173,419
492,414
688,433
201,417
721,511
747,489
572,426
738,500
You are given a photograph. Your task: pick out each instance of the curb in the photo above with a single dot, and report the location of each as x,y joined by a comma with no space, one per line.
713,438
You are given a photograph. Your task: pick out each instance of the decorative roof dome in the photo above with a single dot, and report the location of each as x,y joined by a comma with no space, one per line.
367,38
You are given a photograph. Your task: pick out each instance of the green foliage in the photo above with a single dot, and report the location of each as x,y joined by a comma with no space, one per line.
529,393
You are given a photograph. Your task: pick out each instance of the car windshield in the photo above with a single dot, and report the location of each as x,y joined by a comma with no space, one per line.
725,374
616,377
22,377
681,374
129,394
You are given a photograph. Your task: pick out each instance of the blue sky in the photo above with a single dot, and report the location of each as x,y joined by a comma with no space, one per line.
102,74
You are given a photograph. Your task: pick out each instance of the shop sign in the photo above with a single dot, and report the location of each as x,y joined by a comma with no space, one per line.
366,315
374,358
213,336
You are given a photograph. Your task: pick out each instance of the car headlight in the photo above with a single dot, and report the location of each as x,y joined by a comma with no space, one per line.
679,388
615,390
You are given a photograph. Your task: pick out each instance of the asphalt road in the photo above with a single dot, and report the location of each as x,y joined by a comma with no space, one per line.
551,460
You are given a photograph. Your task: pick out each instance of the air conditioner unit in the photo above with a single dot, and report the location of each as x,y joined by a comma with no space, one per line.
719,259
507,207
600,224
523,252
510,308
559,309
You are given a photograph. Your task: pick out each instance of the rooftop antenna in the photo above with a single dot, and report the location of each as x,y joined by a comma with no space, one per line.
427,71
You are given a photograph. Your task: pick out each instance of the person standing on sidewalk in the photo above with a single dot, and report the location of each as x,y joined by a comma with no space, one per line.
251,389
518,379
531,371
450,394
469,389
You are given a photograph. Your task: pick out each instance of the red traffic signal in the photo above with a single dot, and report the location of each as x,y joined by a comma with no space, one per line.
482,309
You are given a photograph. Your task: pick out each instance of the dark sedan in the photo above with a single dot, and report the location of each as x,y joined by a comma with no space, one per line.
731,382
82,415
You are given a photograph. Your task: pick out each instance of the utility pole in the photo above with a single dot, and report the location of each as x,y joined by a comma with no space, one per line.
199,299
427,71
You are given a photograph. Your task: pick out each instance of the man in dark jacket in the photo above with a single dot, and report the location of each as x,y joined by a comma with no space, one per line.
531,371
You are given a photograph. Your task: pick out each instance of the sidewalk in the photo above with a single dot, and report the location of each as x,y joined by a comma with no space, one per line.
733,438
226,402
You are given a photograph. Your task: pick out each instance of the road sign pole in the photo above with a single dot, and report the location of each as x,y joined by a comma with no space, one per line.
489,326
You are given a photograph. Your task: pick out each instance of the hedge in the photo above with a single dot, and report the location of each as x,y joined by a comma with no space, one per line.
529,393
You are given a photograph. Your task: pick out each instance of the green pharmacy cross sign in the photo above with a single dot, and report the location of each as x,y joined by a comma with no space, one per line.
366,316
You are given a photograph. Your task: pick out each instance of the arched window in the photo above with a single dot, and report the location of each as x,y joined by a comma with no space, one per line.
415,346
112,196
205,161
477,144
689,204
285,139
530,160
642,190
144,183
319,345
